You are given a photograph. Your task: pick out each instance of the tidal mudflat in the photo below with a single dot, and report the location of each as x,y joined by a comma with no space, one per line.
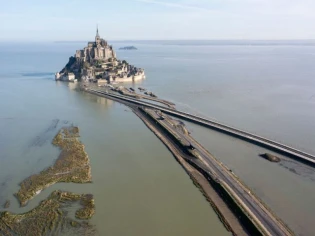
72,165
52,216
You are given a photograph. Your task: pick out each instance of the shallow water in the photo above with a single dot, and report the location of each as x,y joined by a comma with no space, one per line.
139,188
268,90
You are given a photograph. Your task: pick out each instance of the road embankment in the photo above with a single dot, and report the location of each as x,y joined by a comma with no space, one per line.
200,178
239,209
294,153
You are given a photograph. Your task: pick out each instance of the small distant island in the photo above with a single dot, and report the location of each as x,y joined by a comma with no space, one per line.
128,48
98,63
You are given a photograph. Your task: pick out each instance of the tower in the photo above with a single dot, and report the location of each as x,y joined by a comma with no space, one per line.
97,37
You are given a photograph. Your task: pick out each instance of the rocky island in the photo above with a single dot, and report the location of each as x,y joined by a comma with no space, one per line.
128,48
98,63
270,157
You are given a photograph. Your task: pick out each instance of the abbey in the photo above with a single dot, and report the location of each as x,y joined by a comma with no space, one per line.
97,62
98,50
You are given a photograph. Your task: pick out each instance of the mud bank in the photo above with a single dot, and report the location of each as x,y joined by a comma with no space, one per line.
50,217
72,165
6,204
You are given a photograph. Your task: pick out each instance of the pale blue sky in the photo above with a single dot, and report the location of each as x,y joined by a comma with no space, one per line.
40,20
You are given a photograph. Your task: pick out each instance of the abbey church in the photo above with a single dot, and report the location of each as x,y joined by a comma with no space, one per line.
98,50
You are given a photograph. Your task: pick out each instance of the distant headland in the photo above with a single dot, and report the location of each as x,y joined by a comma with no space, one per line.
98,63
128,48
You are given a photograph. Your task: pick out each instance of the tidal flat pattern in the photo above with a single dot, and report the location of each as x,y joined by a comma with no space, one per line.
51,216
72,165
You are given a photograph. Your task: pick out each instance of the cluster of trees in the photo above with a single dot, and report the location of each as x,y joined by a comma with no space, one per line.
98,64
68,67
125,62
98,76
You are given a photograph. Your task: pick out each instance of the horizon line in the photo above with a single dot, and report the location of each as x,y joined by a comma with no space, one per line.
139,40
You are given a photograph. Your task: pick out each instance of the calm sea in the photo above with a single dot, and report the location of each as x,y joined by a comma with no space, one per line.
263,87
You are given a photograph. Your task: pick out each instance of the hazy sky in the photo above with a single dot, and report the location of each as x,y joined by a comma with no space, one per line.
40,20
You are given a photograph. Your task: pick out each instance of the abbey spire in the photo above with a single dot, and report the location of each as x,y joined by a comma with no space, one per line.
97,34
97,37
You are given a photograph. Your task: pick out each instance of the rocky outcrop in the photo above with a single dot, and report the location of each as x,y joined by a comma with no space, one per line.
270,157
128,48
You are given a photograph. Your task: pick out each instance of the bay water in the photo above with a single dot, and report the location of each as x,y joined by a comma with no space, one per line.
139,188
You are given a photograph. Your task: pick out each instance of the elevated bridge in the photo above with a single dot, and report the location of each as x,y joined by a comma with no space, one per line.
261,141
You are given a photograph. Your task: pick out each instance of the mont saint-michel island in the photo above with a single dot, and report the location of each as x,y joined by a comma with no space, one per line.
98,63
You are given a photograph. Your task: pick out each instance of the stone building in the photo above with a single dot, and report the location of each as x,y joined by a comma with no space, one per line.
70,77
98,50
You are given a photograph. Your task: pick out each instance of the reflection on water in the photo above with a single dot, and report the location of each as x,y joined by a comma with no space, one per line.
72,86
103,102
106,102
307,172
